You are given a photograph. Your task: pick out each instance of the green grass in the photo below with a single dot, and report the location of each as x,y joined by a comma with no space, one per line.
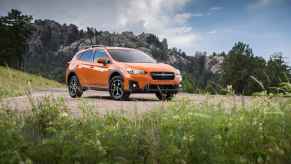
182,133
15,83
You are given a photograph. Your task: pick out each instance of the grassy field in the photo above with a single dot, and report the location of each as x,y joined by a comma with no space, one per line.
182,133
15,83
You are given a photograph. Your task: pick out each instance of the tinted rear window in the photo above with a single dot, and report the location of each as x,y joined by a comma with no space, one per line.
130,56
86,56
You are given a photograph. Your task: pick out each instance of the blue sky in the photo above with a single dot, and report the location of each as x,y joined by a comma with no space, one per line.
264,24
191,25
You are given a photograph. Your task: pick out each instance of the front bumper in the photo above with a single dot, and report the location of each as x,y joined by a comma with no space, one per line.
145,84
157,88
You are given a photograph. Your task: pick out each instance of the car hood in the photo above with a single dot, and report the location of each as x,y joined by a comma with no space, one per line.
150,67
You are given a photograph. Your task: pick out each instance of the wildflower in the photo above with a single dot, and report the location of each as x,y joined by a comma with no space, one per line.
64,114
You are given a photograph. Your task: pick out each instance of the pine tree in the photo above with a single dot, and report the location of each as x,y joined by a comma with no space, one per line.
15,28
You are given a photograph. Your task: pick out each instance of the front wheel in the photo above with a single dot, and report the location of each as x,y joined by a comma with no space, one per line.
116,89
164,96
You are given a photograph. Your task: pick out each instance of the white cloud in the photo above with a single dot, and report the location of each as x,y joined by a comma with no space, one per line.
161,17
259,3
164,18
216,8
212,32
213,10
182,18
256,4
197,15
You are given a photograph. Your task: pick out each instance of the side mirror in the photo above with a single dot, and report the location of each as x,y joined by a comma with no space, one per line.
103,61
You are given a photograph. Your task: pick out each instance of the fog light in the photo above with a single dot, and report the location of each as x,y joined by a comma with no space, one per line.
133,85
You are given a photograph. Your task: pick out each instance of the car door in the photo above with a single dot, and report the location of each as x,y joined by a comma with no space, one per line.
84,66
99,74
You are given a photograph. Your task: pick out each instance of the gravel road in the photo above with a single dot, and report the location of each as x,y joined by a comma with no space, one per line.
101,103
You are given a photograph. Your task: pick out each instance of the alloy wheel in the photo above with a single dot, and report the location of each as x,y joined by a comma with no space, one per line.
74,87
116,89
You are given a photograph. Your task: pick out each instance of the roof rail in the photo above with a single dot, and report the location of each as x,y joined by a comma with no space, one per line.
91,46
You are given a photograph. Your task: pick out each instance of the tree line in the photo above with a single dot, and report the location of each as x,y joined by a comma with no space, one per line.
247,73
243,73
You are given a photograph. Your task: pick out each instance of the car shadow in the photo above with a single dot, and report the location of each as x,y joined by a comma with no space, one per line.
109,98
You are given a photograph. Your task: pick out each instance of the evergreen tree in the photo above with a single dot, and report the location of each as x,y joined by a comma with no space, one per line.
15,28
277,70
242,70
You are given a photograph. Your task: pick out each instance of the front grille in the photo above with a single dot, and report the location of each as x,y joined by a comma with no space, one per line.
163,75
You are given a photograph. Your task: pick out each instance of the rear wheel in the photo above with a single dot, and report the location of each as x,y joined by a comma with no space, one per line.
74,87
164,96
116,89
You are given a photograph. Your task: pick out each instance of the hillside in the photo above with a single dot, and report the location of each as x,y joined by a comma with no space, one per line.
15,83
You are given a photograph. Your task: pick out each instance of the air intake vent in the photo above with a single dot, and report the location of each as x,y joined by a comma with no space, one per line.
163,75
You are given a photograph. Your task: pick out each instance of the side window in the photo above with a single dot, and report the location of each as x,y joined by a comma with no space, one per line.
99,54
86,56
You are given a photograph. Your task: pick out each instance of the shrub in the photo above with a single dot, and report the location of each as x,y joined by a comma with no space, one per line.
285,87
187,84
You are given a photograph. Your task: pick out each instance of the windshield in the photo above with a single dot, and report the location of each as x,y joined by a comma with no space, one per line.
130,56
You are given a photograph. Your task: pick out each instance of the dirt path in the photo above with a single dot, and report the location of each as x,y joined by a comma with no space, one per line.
101,103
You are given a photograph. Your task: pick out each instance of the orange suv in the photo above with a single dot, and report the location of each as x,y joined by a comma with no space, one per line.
121,71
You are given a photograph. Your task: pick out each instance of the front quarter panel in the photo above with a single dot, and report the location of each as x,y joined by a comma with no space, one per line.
71,68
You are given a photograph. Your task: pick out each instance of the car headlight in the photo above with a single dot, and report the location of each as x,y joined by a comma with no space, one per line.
135,71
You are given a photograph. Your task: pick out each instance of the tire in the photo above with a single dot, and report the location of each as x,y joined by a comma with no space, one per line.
74,87
164,96
116,89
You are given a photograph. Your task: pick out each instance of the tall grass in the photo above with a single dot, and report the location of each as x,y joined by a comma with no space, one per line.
182,133
16,83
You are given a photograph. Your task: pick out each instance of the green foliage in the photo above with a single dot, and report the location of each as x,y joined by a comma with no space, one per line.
286,87
187,84
249,74
215,88
277,72
277,69
15,28
15,83
282,89
183,133
238,67
10,140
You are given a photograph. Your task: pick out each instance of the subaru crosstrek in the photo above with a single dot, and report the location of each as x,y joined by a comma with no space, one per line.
121,71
